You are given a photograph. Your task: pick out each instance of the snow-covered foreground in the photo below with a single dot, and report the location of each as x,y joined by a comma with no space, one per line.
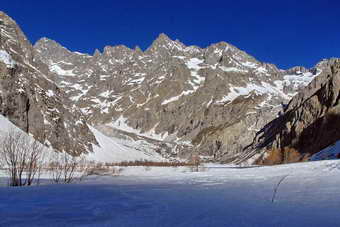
218,196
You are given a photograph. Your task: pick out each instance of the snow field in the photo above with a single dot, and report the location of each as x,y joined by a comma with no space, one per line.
158,196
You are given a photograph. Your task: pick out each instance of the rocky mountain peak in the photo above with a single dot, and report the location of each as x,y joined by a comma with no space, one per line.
163,47
5,19
31,99
51,46
162,38
96,53
118,52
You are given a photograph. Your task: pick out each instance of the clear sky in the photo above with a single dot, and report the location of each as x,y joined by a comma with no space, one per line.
283,32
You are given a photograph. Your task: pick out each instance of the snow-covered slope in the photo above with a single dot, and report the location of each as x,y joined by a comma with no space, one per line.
116,150
109,149
6,125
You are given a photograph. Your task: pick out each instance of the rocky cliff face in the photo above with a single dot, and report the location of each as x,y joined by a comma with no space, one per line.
208,100
309,123
32,101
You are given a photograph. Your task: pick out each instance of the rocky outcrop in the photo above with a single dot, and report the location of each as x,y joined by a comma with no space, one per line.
32,101
309,123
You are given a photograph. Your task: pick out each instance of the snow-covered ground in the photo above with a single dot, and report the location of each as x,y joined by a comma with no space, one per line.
158,196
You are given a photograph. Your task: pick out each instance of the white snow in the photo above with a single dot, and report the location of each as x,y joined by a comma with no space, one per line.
232,69
50,93
194,65
137,80
120,124
175,98
117,150
249,64
57,69
6,125
300,80
264,88
7,59
155,196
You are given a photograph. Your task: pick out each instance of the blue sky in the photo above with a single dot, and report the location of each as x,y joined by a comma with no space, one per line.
286,33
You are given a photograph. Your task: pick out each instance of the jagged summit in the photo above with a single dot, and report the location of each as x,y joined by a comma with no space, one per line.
162,37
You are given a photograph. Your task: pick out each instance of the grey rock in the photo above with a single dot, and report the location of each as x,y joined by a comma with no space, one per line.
309,123
31,99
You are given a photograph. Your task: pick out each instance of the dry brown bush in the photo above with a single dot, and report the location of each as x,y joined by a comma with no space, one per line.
278,156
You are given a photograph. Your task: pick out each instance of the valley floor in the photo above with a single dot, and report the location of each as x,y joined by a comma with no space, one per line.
159,196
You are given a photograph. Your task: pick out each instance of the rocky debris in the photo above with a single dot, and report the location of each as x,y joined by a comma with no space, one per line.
309,123
32,100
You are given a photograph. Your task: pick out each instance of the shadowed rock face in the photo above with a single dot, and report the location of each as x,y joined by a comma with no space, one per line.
309,124
32,101
209,100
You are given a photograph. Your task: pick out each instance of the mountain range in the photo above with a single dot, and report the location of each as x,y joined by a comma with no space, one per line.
170,100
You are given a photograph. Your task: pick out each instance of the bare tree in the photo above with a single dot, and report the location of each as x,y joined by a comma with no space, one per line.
64,167
22,157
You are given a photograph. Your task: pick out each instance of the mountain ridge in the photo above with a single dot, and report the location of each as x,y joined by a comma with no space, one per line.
178,100
167,64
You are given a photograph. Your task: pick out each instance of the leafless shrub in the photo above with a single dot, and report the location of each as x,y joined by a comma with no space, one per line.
64,167
22,157
196,162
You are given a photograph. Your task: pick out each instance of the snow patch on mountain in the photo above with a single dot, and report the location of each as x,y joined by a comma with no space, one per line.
264,88
175,98
194,65
232,69
58,70
121,124
7,59
300,80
